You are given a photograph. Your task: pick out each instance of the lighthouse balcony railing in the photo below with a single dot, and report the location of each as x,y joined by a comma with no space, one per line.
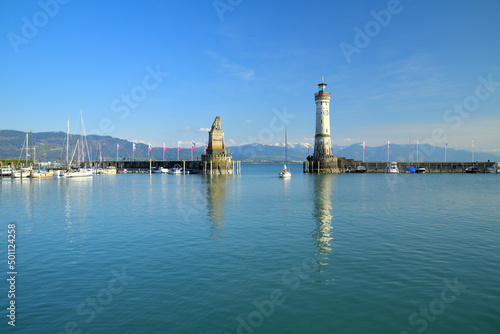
322,94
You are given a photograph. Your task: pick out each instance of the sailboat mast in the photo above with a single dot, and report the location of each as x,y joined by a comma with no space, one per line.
67,146
27,153
409,150
286,144
80,152
31,146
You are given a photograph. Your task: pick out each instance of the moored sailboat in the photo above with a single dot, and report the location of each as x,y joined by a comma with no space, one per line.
81,144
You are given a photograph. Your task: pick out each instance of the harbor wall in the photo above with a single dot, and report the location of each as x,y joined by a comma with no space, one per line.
192,166
430,167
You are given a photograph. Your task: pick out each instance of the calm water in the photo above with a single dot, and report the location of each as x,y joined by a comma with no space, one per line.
255,254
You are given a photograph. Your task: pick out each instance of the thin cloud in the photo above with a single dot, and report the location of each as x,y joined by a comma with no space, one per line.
239,71
234,69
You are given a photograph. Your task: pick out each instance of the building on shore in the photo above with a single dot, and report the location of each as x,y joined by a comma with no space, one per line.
322,160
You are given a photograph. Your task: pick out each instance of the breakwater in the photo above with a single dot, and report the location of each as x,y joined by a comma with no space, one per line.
347,165
193,166
143,166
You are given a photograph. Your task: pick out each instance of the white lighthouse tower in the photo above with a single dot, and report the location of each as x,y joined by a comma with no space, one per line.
322,139
322,160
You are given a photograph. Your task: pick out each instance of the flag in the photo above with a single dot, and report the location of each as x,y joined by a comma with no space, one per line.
133,147
117,147
446,143
100,148
206,145
194,146
388,145
150,148
179,145
164,147
364,148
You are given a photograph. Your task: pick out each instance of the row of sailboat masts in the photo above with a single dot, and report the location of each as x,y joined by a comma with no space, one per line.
81,146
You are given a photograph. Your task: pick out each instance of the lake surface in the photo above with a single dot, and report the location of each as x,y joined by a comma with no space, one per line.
252,253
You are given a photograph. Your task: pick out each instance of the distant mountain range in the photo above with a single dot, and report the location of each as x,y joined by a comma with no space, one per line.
50,146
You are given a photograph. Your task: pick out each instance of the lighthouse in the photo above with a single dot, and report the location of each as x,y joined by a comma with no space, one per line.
322,160
322,139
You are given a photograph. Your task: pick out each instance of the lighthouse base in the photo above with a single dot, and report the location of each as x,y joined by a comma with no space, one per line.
327,164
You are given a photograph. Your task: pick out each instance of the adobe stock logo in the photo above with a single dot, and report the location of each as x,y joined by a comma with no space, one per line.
421,319
372,29
222,6
40,19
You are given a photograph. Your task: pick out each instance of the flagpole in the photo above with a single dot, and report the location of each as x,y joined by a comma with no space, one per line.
473,151
388,149
363,151
178,149
445,147
417,153
117,148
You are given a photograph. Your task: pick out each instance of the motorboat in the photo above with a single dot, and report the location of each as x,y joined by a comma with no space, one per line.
361,169
392,167
6,171
175,171
350,169
495,169
473,170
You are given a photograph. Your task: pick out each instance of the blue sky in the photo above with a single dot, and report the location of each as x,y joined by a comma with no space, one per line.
160,71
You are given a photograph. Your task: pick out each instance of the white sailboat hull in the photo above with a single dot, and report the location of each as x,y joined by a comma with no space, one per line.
285,175
22,174
80,173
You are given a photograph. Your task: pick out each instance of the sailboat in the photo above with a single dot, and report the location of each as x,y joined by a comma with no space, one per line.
81,144
285,174
24,172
